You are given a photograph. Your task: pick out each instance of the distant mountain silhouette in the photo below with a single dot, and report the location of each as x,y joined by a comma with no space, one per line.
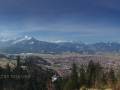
27,44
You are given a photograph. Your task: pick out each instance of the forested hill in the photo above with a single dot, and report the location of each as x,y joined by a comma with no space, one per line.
34,77
90,77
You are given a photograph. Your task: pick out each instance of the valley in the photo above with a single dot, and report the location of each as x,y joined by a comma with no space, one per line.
61,63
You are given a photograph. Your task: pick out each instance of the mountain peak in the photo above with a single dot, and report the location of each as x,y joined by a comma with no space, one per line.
26,37
22,39
112,42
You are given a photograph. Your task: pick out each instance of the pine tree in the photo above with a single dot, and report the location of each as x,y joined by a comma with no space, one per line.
104,78
1,78
8,80
18,61
90,73
93,74
72,82
112,75
18,71
97,70
98,74
82,77
118,75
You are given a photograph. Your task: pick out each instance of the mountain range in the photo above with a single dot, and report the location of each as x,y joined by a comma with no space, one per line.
27,44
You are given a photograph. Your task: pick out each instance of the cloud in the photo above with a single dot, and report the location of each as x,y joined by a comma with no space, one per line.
84,29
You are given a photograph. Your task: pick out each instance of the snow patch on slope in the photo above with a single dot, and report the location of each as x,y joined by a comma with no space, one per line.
31,43
5,40
62,41
21,39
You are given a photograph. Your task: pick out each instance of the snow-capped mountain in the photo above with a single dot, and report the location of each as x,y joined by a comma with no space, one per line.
109,46
27,44
102,46
8,41
17,40
70,43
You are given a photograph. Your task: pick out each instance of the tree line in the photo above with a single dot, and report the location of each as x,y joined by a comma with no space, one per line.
93,76
34,77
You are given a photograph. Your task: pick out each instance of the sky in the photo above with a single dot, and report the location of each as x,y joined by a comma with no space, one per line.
88,21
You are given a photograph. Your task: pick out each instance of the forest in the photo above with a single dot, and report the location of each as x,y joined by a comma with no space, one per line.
34,77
